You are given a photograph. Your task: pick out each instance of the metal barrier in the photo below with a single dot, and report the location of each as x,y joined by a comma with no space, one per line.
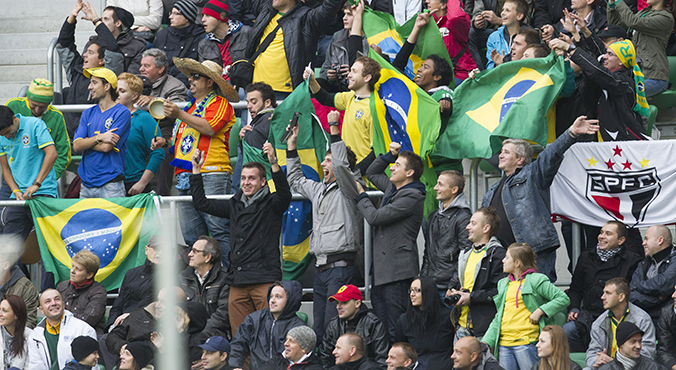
58,82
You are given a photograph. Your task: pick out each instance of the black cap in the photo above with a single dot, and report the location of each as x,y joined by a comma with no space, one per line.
613,30
126,17
83,346
142,353
625,331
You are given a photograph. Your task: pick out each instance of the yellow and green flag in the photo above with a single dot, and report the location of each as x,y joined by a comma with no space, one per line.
115,229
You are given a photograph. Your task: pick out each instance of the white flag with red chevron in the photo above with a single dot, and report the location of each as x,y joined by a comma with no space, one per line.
633,182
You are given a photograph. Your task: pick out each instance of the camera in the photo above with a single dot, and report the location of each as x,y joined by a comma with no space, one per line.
342,80
453,299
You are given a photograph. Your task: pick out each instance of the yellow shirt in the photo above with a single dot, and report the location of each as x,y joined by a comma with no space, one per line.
54,330
613,326
271,66
516,329
468,281
357,122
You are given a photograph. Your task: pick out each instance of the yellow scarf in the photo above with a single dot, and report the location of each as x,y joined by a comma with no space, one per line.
626,52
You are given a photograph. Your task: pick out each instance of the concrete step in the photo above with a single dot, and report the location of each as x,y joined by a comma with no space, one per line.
19,73
46,24
32,12
10,90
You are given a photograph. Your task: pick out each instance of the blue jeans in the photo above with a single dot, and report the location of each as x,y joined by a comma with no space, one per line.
477,40
518,357
654,87
194,223
546,263
109,190
389,302
575,341
325,285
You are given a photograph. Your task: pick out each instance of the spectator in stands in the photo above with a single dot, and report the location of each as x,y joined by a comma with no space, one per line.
611,34
298,352
651,27
666,335
138,326
403,354
223,31
516,224
12,279
484,21
588,18
526,302
454,25
37,103
479,270
653,281
102,138
354,316
434,76
254,257
294,43
15,333
192,317
135,356
499,43
594,268
548,13
203,281
185,39
85,351
604,337
27,156
447,233
140,164
336,66
396,225
536,51
337,234
147,14
215,352
84,297
525,37
349,354
154,65
262,333
629,350
118,22
616,75
357,122
49,346
203,127
470,354
101,50
553,350
426,325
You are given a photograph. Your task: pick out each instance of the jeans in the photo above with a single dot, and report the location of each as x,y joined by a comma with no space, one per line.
325,285
518,357
194,223
389,302
477,40
574,339
654,87
5,193
237,171
109,190
546,263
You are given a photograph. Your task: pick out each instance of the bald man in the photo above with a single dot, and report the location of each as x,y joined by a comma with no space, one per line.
349,353
653,281
470,354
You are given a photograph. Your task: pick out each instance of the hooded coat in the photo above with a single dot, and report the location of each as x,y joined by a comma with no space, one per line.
260,335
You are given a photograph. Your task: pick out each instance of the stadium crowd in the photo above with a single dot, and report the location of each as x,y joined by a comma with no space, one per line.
483,296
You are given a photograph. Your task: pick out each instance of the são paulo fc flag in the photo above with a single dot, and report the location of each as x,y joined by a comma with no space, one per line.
633,182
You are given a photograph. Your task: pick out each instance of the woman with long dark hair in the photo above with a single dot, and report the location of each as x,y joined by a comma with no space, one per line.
13,316
426,325
553,350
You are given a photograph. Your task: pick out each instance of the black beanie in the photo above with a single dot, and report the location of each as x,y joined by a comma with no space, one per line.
141,352
83,346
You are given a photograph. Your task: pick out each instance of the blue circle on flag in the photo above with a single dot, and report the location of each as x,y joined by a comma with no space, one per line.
513,94
97,230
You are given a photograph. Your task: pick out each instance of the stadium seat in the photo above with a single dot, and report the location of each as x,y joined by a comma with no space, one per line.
302,316
579,357
651,119
233,141
667,99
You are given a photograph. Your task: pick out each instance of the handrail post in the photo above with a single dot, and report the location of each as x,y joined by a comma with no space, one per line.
474,184
50,60
577,244
367,259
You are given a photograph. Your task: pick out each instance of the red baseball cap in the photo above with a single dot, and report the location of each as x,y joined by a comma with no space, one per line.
347,292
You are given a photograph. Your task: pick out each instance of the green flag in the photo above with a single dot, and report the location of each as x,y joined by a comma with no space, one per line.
510,101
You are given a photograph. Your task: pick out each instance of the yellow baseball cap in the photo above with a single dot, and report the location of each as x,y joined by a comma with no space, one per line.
104,73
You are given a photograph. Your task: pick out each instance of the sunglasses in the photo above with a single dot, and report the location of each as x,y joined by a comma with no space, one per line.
197,76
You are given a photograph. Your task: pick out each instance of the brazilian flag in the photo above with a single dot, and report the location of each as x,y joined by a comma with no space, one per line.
510,101
311,144
402,112
115,229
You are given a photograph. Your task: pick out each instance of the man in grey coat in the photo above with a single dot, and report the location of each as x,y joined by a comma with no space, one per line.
395,229
629,356
337,225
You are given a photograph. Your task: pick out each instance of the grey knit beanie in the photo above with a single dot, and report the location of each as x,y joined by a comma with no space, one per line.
305,337
188,9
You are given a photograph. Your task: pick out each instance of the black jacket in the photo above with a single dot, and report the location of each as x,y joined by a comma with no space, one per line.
135,292
599,21
136,327
260,335
362,364
278,362
573,365
73,365
643,363
549,12
302,26
666,337
254,230
132,49
366,324
87,303
610,97
446,236
213,295
654,294
435,345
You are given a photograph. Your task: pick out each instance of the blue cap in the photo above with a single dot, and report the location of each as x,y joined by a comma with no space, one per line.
214,344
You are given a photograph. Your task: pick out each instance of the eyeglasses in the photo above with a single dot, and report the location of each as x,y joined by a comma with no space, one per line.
414,290
173,12
195,250
196,76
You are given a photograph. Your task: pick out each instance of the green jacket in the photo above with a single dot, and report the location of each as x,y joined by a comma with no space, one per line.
56,125
537,292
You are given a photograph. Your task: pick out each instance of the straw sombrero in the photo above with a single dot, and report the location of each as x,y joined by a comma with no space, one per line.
212,70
